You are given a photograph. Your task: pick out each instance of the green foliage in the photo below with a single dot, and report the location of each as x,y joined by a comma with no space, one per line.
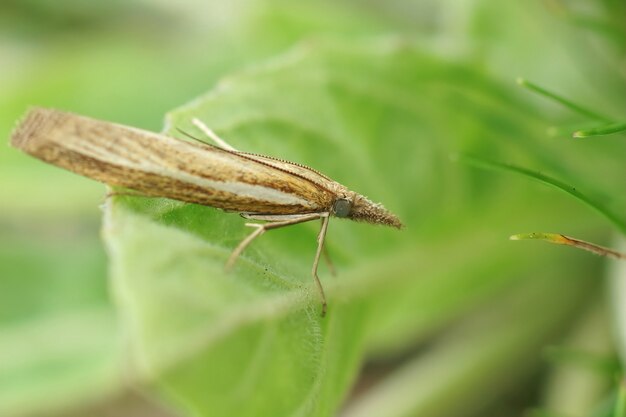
607,128
594,203
59,338
371,98
253,341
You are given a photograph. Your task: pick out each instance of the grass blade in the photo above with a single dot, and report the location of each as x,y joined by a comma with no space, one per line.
567,103
560,239
596,205
601,130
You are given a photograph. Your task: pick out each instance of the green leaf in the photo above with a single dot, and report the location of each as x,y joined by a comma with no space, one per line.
255,330
381,117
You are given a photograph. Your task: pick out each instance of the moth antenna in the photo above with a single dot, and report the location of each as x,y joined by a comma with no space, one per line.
190,136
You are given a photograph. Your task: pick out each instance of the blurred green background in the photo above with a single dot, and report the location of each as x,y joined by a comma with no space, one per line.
445,318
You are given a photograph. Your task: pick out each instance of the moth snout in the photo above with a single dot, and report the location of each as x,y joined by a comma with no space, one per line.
366,211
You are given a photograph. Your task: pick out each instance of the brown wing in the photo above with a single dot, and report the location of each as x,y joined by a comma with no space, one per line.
159,165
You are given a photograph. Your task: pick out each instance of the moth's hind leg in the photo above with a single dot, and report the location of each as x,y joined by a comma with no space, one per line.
211,134
329,261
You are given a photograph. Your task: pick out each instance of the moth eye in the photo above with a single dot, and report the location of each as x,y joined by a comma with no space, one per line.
342,207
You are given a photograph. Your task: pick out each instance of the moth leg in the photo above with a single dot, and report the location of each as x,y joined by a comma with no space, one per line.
211,134
261,228
244,244
329,261
320,245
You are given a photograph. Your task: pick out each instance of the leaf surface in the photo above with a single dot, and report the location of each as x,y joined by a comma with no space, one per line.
380,117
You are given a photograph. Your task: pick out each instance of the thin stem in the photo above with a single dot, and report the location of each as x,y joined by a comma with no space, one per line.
567,103
560,239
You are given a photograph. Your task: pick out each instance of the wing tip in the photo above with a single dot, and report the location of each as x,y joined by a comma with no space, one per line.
33,125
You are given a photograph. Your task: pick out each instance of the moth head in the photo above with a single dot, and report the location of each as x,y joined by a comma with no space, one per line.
360,208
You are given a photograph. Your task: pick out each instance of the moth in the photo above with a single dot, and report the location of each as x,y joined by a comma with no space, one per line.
262,188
